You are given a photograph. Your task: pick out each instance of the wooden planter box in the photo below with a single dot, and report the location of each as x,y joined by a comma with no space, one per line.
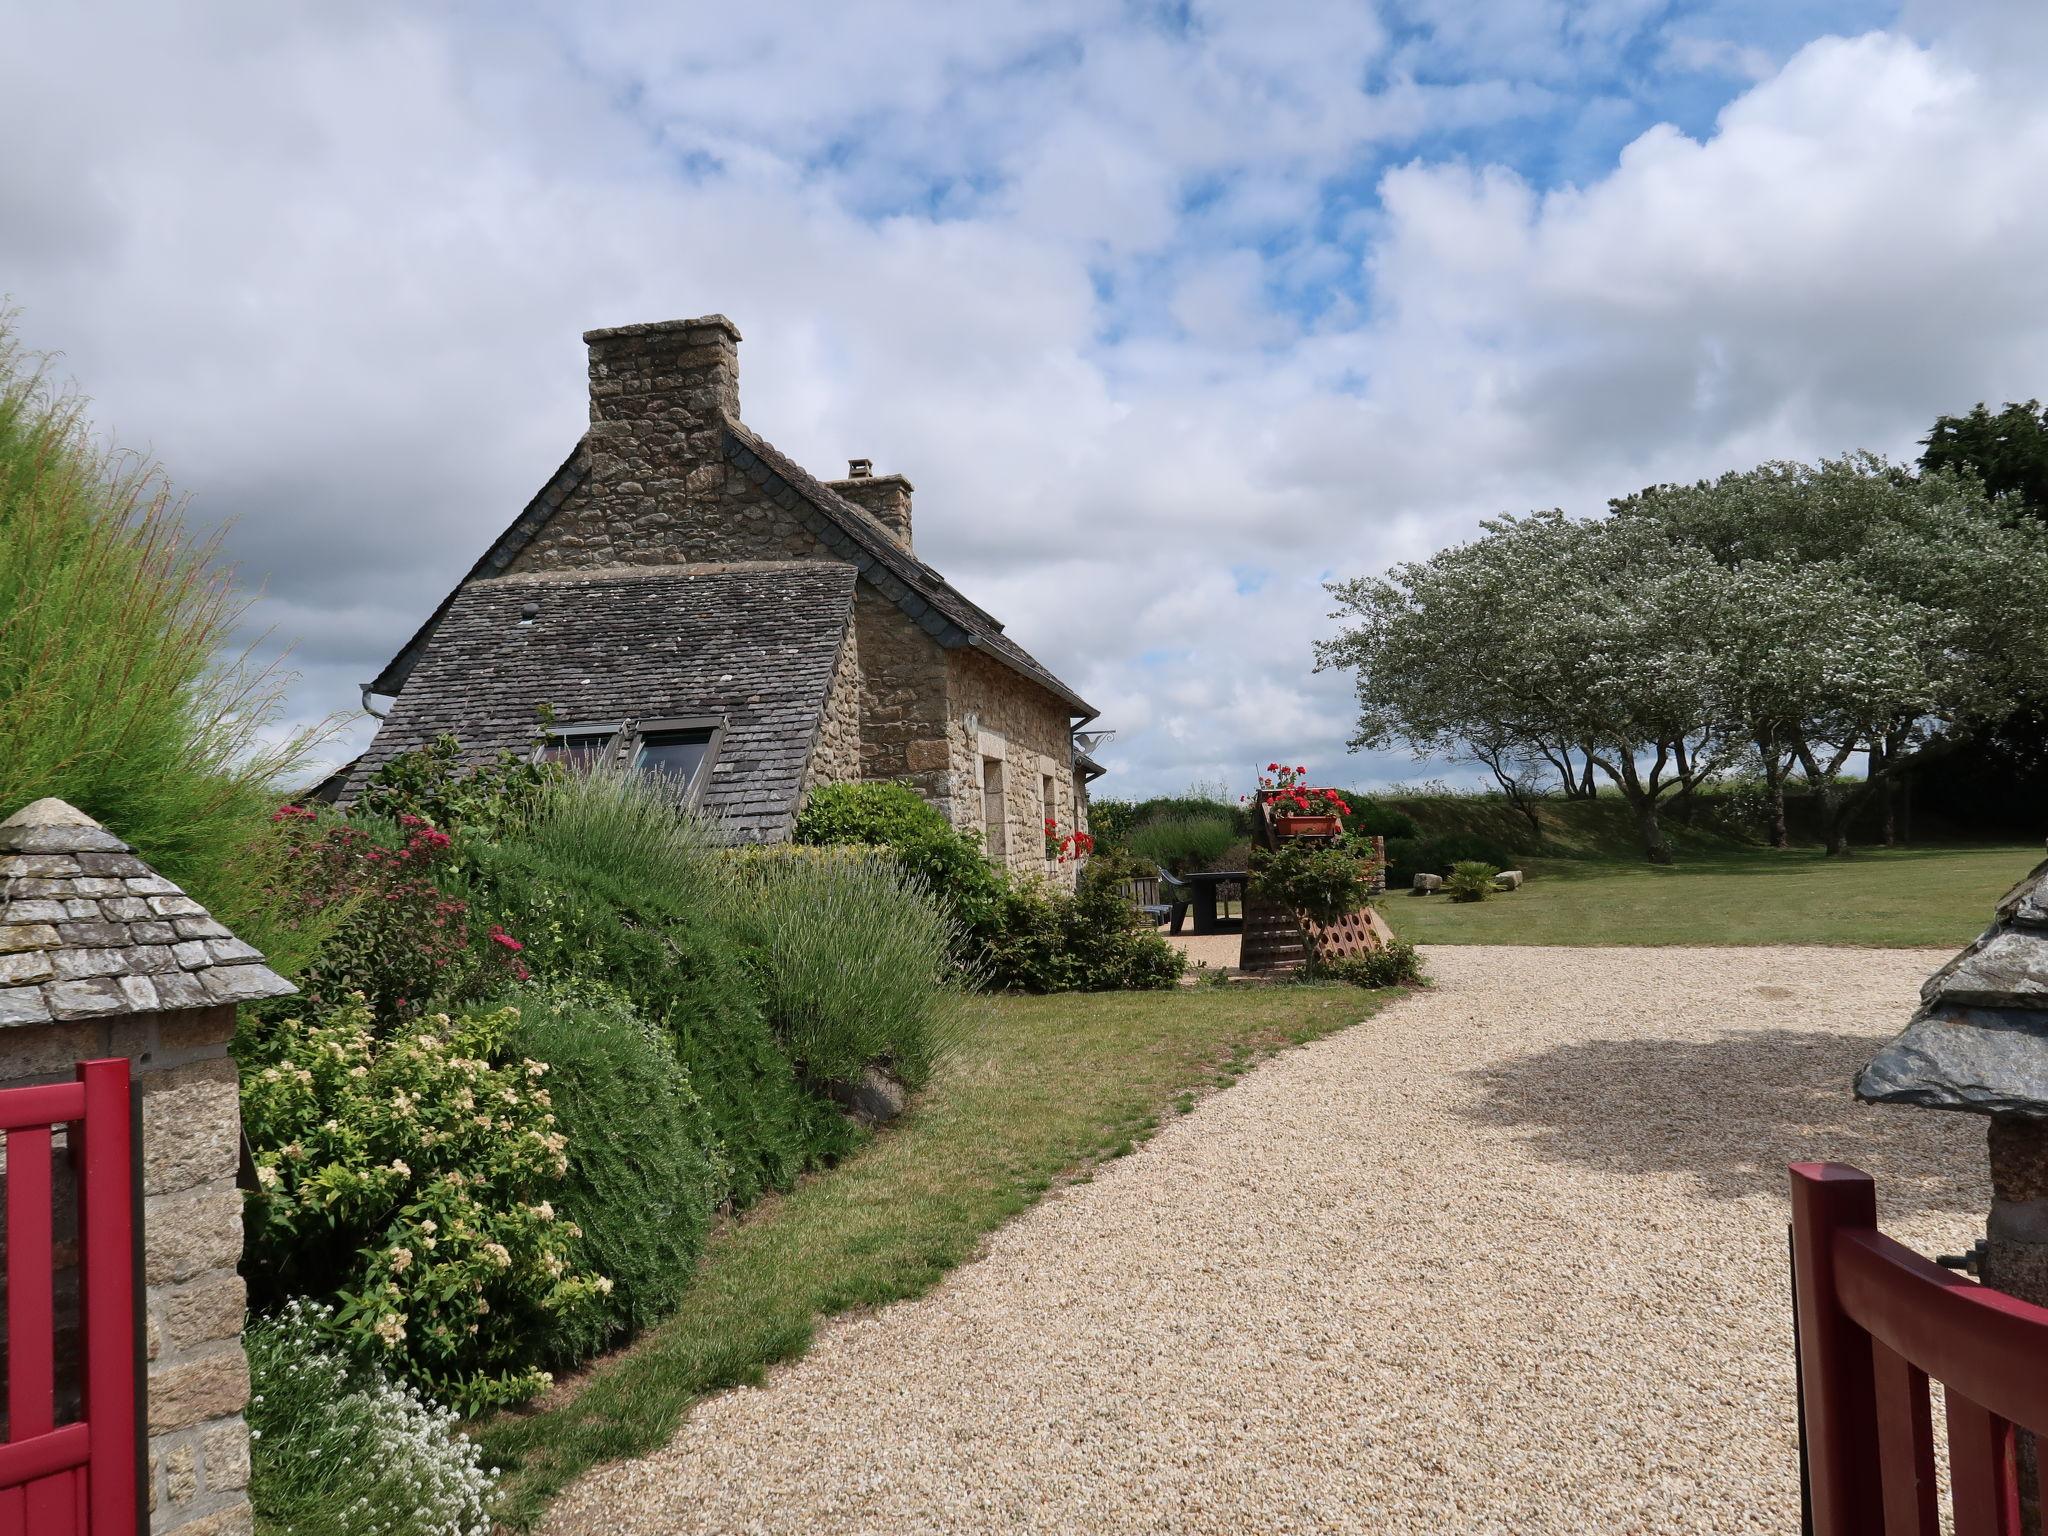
1305,826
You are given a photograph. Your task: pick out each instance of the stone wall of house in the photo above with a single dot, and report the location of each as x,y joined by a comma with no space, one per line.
994,713
836,757
904,705
192,1223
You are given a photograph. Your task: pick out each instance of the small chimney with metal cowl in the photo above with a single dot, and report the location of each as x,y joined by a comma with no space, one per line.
885,498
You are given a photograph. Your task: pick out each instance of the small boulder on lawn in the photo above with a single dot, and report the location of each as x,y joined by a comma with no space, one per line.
1425,884
1508,880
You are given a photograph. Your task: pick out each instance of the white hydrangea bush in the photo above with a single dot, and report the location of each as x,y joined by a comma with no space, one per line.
339,1447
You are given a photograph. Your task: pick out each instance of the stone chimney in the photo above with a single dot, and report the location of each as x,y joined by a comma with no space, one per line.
885,498
658,391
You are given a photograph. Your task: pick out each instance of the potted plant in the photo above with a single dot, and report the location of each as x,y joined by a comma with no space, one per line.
1323,884
1296,809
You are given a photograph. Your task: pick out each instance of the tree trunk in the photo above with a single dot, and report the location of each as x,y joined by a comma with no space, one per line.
1878,778
1774,780
1644,804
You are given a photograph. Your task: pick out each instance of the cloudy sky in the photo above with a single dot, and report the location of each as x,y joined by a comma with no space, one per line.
1171,311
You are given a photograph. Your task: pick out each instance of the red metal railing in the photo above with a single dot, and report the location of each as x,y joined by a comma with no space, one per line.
81,1478
1876,1323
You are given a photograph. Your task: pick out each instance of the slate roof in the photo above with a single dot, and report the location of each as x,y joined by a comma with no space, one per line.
841,525
88,930
754,643
1980,1040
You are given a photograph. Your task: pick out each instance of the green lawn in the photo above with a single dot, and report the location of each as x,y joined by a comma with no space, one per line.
1042,1089
1880,897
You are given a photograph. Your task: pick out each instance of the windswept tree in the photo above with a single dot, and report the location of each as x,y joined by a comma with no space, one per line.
1543,638
1860,612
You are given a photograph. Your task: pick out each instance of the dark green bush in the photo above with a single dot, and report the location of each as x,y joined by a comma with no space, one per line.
612,883
429,782
1407,857
645,1169
1092,940
896,817
1113,821
1369,818
1393,965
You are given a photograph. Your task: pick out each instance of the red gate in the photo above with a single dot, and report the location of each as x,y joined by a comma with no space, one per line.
80,1478
1877,1321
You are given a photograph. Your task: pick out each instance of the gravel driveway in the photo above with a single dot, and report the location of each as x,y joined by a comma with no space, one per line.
1507,1258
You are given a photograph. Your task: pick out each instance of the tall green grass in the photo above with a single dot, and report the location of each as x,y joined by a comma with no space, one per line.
637,831
1183,843
855,958
119,691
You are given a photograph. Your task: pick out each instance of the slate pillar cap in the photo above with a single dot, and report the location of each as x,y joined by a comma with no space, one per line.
49,812
1979,1043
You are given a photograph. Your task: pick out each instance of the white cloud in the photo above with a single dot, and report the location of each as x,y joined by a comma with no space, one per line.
1052,268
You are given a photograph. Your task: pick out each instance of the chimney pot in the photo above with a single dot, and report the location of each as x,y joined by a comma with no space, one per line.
859,469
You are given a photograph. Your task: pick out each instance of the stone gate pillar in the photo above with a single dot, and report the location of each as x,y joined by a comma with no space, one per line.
100,956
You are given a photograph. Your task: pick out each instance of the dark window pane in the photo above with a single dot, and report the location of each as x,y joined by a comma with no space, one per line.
577,753
677,755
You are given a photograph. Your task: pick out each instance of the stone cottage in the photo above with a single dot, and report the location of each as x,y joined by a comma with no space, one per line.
682,598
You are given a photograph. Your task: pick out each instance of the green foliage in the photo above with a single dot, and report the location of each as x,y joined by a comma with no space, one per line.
1181,843
1373,818
1114,821
896,817
880,813
645,1169
1470,880
654,929
635,830
2007,451
1408,857
112,620
403,938
407,1178
1323,882
430,783
339,1449
1394,964
1808,614
854,956
1092,940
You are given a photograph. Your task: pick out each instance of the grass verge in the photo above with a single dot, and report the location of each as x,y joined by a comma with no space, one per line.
1880,898
1039,1091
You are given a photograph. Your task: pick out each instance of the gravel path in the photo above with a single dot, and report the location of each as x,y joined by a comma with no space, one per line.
1507,1258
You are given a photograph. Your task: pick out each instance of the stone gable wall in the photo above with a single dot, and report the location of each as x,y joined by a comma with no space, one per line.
638,513
836,758
1028,729
903,702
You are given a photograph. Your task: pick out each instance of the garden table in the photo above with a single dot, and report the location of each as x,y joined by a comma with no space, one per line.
1202,897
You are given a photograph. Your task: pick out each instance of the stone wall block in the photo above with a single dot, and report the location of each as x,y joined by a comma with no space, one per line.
191,1126
192,1232
199,1389
205,1311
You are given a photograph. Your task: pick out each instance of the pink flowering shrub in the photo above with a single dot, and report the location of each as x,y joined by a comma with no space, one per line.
408,937
407,1178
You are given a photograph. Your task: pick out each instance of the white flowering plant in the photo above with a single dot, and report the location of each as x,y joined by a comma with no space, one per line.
411,1179
339,1449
